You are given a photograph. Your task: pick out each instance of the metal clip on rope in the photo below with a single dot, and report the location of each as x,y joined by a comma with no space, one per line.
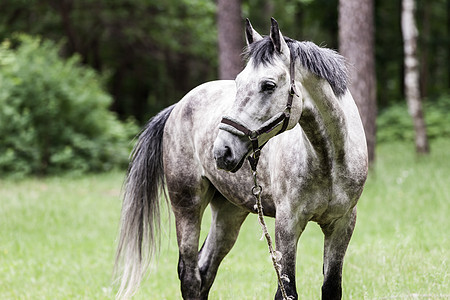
256,191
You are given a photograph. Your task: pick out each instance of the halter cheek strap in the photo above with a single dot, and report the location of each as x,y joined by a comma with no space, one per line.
274,126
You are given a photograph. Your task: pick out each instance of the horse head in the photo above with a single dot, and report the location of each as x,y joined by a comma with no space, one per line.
266,103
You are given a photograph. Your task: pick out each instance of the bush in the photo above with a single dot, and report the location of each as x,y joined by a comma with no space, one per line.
395,124
54,113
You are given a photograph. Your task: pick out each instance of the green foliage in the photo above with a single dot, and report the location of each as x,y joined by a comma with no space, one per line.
395,124
54,113
156,51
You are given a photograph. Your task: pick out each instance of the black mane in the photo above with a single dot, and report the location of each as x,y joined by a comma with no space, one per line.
323,62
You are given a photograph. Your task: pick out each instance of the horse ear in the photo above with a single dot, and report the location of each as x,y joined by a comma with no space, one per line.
277,38
251,34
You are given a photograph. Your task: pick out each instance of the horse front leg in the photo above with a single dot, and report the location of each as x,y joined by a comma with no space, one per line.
288,228
337,237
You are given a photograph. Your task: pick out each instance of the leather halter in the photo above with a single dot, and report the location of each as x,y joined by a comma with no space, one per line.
267,131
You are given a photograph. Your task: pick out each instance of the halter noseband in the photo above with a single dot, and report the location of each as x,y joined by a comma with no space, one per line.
267,131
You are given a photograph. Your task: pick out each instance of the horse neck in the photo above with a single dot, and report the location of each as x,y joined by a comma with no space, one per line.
323,119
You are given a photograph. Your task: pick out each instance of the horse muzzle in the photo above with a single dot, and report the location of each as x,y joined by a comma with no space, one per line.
230,151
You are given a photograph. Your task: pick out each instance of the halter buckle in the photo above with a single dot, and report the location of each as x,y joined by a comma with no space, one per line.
253,135
293,89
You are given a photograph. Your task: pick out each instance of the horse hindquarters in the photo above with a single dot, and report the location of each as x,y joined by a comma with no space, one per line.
190,193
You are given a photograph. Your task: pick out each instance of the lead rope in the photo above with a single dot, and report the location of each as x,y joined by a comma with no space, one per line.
256,191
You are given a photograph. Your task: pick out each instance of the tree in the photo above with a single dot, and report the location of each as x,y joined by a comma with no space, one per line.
356,43
230,38
412,84
152,52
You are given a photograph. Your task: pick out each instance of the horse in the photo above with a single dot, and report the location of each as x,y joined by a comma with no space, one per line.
312,168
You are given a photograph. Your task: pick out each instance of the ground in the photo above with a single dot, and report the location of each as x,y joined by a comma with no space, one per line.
57,239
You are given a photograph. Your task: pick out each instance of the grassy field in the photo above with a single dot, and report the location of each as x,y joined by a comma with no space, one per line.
57,239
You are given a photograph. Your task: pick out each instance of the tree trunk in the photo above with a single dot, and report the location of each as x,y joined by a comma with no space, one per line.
424,68
412,84
448,37
230,36
356,43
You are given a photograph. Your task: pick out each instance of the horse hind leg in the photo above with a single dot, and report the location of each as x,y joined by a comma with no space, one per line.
337,238
188,205
225,225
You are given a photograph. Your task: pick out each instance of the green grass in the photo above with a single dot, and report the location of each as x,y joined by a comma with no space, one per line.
57,239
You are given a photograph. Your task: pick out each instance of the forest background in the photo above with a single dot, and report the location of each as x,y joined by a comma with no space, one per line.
152,52
146,54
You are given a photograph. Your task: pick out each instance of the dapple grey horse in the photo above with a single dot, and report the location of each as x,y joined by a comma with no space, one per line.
195,150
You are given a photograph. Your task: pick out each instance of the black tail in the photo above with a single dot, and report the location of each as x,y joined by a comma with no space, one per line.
140,220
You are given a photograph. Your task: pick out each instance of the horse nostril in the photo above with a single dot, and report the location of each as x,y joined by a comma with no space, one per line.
227,153
224,157
228,156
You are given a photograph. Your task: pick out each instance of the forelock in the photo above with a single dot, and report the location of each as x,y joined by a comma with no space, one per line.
323,62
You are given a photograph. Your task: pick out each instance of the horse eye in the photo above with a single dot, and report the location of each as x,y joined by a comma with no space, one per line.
268,86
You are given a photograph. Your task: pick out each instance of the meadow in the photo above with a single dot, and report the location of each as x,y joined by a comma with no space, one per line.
57,239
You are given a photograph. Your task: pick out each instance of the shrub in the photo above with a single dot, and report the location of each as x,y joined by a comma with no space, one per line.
54,113
395,124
